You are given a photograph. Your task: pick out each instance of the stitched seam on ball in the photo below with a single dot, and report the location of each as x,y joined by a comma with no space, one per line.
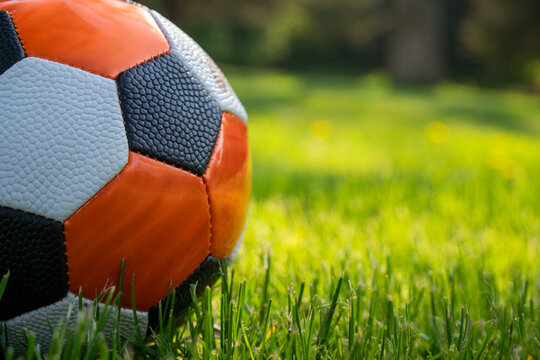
95,72
236,115
80,209
66,255
182,59
117,174
63,239
166,163
99,73
147,59
149,12
99,191
30,213
176,51
77,66
121,111
226,90
17,32
207,191
209,97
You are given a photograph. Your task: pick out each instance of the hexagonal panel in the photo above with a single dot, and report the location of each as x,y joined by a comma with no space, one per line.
228,180
101,36
154,216
62,137
202,66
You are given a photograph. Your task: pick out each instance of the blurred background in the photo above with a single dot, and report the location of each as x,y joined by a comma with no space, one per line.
396,140
406,130
491,42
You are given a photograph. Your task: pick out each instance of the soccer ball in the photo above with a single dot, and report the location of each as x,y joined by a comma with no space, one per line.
120,139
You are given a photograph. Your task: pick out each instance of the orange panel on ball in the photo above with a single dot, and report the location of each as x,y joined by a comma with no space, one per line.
228,179
104,37
154,216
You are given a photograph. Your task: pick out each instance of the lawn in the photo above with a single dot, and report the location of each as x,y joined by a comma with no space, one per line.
426,200
386,222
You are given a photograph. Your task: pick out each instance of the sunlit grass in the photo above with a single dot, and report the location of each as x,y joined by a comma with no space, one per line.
386,222
354,174
356,170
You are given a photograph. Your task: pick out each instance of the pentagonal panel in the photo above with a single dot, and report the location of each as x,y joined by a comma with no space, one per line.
11,50
40,321
228,180
154,216
62,137
202,66
101,36
169,116
32,251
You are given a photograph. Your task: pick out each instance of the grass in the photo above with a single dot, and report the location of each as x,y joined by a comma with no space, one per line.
386,222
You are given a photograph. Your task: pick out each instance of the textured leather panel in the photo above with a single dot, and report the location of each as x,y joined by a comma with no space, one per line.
205,275
228,181
38,321
101,36
62,137
32,250
11,50
168,115
204,68
154,216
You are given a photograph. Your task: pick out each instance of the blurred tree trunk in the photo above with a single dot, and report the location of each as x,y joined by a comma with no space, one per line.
417,41
171,9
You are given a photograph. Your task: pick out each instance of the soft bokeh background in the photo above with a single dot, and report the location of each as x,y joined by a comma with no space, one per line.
487,41
396,141
404,128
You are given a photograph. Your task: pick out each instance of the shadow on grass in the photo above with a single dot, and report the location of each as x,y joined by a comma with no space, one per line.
264,93
491,114
471,197
272,181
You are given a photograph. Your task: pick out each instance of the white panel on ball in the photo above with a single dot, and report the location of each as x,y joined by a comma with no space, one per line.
62,137
202,67
40,321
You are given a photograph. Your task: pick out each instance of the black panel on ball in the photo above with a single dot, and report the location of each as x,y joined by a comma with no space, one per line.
11,50
32,250
169,116
205,275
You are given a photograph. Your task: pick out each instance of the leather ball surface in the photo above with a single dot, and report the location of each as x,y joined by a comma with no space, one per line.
120,139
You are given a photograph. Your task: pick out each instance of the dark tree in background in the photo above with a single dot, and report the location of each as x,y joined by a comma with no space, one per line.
503,36
173,10
417,41
292,33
